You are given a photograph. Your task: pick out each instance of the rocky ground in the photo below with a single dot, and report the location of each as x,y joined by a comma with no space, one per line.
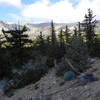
51,87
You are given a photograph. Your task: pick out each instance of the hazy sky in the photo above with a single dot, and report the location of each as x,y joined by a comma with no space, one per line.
63,11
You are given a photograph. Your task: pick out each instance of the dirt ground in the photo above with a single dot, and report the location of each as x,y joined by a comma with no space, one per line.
51,87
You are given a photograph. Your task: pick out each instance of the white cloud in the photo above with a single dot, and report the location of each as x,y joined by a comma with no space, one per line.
15,16
62,11
82,7
16,3
45,10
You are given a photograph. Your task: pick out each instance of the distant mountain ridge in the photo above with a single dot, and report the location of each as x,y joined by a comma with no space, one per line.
35,29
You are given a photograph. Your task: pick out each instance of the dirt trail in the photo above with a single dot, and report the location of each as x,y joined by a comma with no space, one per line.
49,88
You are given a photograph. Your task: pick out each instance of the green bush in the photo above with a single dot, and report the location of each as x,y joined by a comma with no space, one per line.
96,48
76,53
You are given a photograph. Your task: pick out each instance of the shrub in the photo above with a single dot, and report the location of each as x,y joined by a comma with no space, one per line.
77,53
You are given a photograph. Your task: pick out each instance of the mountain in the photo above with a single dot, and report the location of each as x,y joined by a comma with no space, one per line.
35,29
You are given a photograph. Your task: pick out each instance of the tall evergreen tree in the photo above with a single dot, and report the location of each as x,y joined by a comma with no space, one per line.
48,44
18,40
4,64
75,31
16,37
61,42
79,28
41,38
54,51
41,43
48,40
67,34
53,34
89,25
61,38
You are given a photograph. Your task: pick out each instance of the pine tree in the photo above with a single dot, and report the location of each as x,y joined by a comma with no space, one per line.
41,43
75,31
61,43
61,38
54,48
53,34
18,41
16,37
48,45
48,40
79,28
4,64
41,38
89,25
67,34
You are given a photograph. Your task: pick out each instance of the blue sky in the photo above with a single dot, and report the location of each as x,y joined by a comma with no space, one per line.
33,1
38,11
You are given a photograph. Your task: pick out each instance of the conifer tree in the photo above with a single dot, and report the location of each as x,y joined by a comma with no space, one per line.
75,31
18,41
79,28
4,64
48,44
67,34
54,49
61,43
48,40
61,39
53,34
41,43
16,37
89,25
41,38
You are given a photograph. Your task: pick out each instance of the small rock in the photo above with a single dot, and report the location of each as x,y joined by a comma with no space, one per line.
73,98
